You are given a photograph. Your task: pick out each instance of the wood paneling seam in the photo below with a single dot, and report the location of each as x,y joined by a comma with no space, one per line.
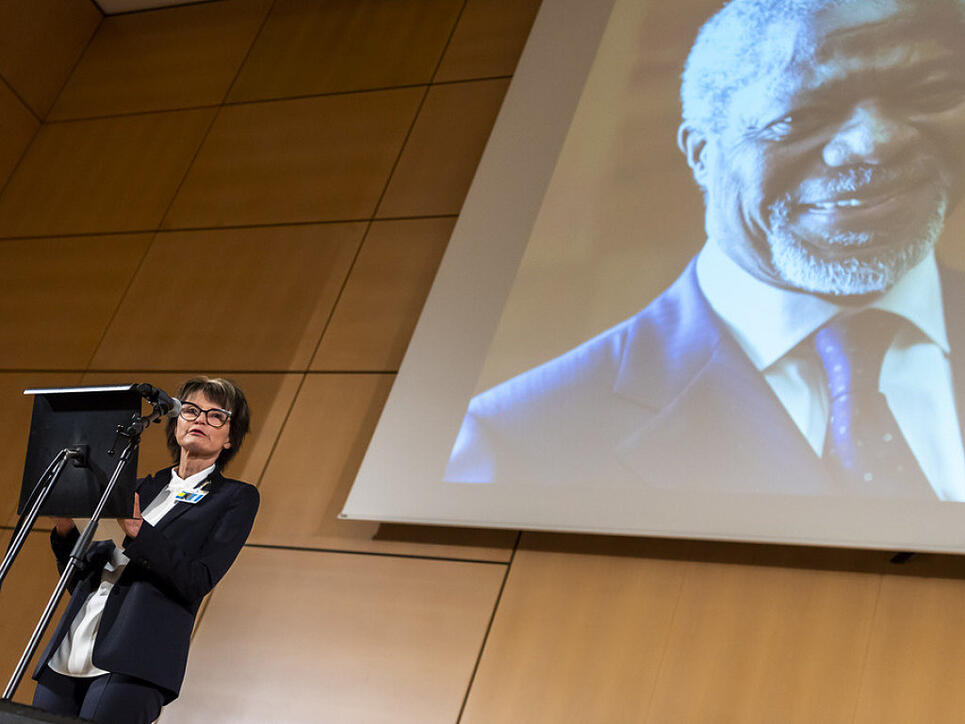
445,47
365,234
666,641
131,114
120,300
23,102
147,250
236,227
386,554
489,626
80,55
867,650
281,430
275,99
29,143
241,65
146,11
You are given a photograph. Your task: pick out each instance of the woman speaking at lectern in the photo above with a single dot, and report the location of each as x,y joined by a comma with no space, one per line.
119,652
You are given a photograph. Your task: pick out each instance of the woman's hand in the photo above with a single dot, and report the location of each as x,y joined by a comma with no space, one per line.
63,526
131,526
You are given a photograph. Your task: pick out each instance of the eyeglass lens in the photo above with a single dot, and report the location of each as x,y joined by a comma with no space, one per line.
215,417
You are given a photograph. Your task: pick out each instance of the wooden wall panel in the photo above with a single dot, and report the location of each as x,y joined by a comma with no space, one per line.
299,636
17,127
40,41
383,296
916,655
270,397
309,48
113,174
255,299
176,58
314,463
614,637
44,283
316,159
764,644
23,598
488,40
442,152
15,412
576,638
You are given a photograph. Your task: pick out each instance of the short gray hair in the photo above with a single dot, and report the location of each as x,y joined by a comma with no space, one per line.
739,43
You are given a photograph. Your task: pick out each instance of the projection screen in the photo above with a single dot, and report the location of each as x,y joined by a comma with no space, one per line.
733,316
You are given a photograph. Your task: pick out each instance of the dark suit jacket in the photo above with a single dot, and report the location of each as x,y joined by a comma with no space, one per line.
667,397
146,626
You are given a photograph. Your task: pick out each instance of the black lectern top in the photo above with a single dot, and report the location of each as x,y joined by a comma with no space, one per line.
85,418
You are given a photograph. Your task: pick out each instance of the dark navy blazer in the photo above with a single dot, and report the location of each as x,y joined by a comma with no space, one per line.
147,622
667,398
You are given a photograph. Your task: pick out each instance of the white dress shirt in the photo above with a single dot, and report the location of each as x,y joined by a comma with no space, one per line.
73,656
916,378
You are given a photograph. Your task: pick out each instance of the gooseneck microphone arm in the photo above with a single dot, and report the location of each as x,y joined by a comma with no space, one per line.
164,405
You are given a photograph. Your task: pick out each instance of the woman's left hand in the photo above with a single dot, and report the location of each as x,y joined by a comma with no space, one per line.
131,526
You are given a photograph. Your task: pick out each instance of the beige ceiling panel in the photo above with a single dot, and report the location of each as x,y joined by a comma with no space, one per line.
255,299
57,296
40,41
383,297
15,412
488,39
106,175
269,397
309,48
25,594
298,636
17,126
443,150
173,58
314,159
314,464
916,658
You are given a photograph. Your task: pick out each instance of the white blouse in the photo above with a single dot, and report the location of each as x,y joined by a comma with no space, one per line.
73,656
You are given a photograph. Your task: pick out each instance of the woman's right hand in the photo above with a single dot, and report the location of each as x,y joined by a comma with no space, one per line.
63,526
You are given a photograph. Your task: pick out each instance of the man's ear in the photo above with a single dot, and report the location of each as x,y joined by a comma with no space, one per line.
693,143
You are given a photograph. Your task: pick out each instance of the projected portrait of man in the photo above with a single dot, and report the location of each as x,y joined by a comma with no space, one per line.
810,347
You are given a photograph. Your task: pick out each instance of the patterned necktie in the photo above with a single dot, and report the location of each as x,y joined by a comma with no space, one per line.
864,450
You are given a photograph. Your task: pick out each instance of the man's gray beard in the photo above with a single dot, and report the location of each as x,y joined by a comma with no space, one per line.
801,269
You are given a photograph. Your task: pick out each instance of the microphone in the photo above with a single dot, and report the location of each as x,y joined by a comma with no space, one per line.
164,404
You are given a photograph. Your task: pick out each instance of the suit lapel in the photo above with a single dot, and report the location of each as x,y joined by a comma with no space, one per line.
717,423
212,484
148,488
953,294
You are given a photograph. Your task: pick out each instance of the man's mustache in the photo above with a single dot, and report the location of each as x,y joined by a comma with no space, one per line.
866,180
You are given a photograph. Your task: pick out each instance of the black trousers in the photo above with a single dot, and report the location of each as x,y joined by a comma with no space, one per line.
107,699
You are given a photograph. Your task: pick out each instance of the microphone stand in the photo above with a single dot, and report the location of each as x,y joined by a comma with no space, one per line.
37,498
132,432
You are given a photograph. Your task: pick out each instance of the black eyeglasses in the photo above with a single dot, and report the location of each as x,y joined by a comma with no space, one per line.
216,417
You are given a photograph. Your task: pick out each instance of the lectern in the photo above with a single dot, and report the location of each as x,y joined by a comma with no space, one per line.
83,441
